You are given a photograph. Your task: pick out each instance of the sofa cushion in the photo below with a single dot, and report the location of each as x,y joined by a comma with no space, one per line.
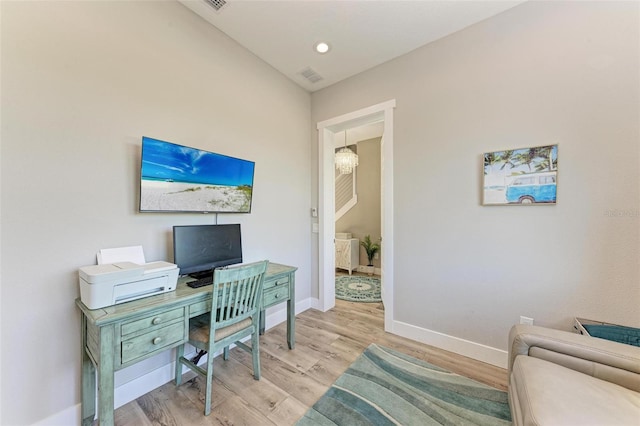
543,393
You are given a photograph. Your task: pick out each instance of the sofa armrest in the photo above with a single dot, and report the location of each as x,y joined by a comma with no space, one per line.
611,361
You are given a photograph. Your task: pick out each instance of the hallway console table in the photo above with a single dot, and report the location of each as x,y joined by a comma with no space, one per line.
118,336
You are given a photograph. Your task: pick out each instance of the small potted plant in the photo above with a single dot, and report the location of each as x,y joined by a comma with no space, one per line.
371,249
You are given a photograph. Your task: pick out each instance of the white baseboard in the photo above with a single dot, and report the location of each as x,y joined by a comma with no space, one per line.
137,387
123,394
314,303
68,416
464,347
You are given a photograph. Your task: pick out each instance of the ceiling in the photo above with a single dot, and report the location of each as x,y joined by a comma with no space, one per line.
362,34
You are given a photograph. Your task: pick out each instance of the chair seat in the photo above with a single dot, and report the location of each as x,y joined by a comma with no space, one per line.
199,328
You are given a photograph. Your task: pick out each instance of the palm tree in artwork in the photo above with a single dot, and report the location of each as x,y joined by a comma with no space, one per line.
538,159
527,157
547,163
508,158
490,159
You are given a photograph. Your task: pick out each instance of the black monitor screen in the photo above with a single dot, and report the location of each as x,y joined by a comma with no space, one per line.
202,248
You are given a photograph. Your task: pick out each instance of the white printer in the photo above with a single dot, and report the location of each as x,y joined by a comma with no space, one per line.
108,284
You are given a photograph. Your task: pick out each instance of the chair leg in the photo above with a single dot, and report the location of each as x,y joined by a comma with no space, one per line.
255,352
179,354
225,355
207,398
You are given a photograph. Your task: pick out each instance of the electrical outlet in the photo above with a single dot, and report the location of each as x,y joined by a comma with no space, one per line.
526,320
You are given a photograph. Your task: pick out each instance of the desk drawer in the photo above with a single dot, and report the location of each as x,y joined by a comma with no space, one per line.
155,341
275,295
151,322
280,282
199,308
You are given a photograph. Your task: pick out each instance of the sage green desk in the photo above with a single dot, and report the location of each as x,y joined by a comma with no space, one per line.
118,336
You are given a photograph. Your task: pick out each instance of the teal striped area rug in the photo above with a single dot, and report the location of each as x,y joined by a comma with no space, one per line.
386,387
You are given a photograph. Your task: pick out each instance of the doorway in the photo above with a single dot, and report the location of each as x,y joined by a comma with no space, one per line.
327,131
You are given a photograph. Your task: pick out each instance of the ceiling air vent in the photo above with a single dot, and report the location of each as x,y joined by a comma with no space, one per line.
216,4
311,75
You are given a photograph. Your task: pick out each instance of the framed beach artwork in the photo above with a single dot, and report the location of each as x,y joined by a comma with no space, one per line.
526,176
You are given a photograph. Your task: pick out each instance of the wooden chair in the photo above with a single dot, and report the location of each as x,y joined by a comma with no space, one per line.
235,313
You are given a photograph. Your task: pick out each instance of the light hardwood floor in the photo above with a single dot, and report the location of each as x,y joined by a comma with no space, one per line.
292,381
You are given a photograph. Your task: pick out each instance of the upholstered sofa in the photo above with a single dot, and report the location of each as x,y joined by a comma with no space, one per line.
562,378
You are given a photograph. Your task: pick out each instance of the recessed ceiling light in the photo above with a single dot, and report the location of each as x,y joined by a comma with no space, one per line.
322,47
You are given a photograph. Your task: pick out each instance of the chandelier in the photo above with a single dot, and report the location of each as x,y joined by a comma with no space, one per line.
346,160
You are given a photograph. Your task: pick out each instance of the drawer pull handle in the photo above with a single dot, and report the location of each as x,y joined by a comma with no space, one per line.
157,340
156,321
277,295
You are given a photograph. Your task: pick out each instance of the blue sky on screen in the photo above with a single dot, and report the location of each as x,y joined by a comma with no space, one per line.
163,160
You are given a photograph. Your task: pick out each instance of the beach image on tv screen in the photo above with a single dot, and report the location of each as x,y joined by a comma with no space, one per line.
179,178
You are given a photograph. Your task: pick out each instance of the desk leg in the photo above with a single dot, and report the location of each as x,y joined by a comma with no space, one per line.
291,313
262,322
88,380
105,376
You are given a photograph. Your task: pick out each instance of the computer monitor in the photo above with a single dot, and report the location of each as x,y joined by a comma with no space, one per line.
199,249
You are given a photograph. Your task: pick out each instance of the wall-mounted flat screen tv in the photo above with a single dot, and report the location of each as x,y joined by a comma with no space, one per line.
176,178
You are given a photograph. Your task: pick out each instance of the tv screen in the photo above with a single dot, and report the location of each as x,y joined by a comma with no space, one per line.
201,248
176,178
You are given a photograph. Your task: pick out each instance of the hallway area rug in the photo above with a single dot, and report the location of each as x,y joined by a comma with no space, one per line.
386,387
356,288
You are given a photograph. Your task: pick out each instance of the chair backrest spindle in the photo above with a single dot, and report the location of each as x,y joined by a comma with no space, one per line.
236,289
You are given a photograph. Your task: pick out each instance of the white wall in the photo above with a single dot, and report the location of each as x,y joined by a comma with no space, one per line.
540,73
82,82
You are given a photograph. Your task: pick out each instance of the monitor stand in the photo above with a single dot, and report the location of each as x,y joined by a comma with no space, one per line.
201,274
